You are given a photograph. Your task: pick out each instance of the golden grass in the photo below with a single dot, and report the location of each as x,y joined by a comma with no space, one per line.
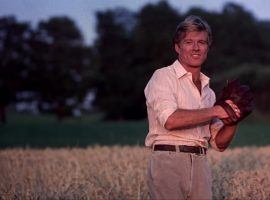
119,173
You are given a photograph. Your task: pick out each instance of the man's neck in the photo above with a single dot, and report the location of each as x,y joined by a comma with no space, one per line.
195,71
195,74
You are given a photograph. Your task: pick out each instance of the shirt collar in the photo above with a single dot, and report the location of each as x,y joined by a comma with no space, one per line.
204,79
180,71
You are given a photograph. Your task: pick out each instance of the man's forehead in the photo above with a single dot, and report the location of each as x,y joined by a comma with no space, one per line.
196,35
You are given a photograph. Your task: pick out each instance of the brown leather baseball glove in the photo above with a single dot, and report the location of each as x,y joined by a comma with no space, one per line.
241,96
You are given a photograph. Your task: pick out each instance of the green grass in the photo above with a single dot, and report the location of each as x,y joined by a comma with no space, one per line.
44,131
252,134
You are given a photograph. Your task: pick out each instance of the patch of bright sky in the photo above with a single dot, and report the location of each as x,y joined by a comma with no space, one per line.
83,11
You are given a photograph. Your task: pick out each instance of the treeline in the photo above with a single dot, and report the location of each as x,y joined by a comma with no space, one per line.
52,62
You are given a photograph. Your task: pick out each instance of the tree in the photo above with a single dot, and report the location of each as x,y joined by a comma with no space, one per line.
14,58
60,60
51,62
129,47
114,56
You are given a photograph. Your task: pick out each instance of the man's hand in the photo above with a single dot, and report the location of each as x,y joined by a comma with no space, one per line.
227,120
223,115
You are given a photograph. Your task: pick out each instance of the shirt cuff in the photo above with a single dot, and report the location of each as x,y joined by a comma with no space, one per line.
165,115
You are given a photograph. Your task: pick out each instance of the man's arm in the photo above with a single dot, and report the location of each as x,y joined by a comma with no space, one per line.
184,118
225,136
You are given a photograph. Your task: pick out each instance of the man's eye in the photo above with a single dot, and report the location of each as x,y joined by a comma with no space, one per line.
203,42
188,42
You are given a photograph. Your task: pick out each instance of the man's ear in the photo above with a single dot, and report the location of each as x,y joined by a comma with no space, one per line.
177,48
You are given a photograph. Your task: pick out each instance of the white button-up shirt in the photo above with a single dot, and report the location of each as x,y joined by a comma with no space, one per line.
171,88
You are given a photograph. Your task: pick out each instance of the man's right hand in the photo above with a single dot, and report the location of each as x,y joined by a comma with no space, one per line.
223,115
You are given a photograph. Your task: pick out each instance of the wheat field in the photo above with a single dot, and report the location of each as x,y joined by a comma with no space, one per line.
119,173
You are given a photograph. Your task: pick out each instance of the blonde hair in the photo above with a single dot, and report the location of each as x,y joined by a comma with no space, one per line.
192,23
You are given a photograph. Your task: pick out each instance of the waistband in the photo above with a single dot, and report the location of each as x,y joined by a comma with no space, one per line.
180,148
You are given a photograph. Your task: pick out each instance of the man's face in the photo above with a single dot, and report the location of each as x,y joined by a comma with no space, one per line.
192,49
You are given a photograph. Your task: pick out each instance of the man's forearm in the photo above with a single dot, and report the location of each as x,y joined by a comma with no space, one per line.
185,118
225,136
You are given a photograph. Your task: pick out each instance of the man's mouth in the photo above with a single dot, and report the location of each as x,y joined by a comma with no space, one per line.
195,55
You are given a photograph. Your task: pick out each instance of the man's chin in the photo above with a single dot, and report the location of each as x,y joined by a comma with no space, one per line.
196,65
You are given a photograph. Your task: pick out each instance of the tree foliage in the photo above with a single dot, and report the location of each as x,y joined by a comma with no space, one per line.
52,61
128,52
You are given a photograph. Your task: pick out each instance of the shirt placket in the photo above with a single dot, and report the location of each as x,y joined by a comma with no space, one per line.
198,128
203,98
199,98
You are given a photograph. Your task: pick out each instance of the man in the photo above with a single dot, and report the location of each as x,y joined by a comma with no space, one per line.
183,120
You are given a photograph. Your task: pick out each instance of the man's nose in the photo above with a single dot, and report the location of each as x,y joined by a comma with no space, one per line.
195,46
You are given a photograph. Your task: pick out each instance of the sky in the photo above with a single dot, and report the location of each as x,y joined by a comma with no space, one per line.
83,11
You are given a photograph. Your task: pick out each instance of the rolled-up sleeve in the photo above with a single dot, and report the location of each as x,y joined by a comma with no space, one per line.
215,126
159,95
